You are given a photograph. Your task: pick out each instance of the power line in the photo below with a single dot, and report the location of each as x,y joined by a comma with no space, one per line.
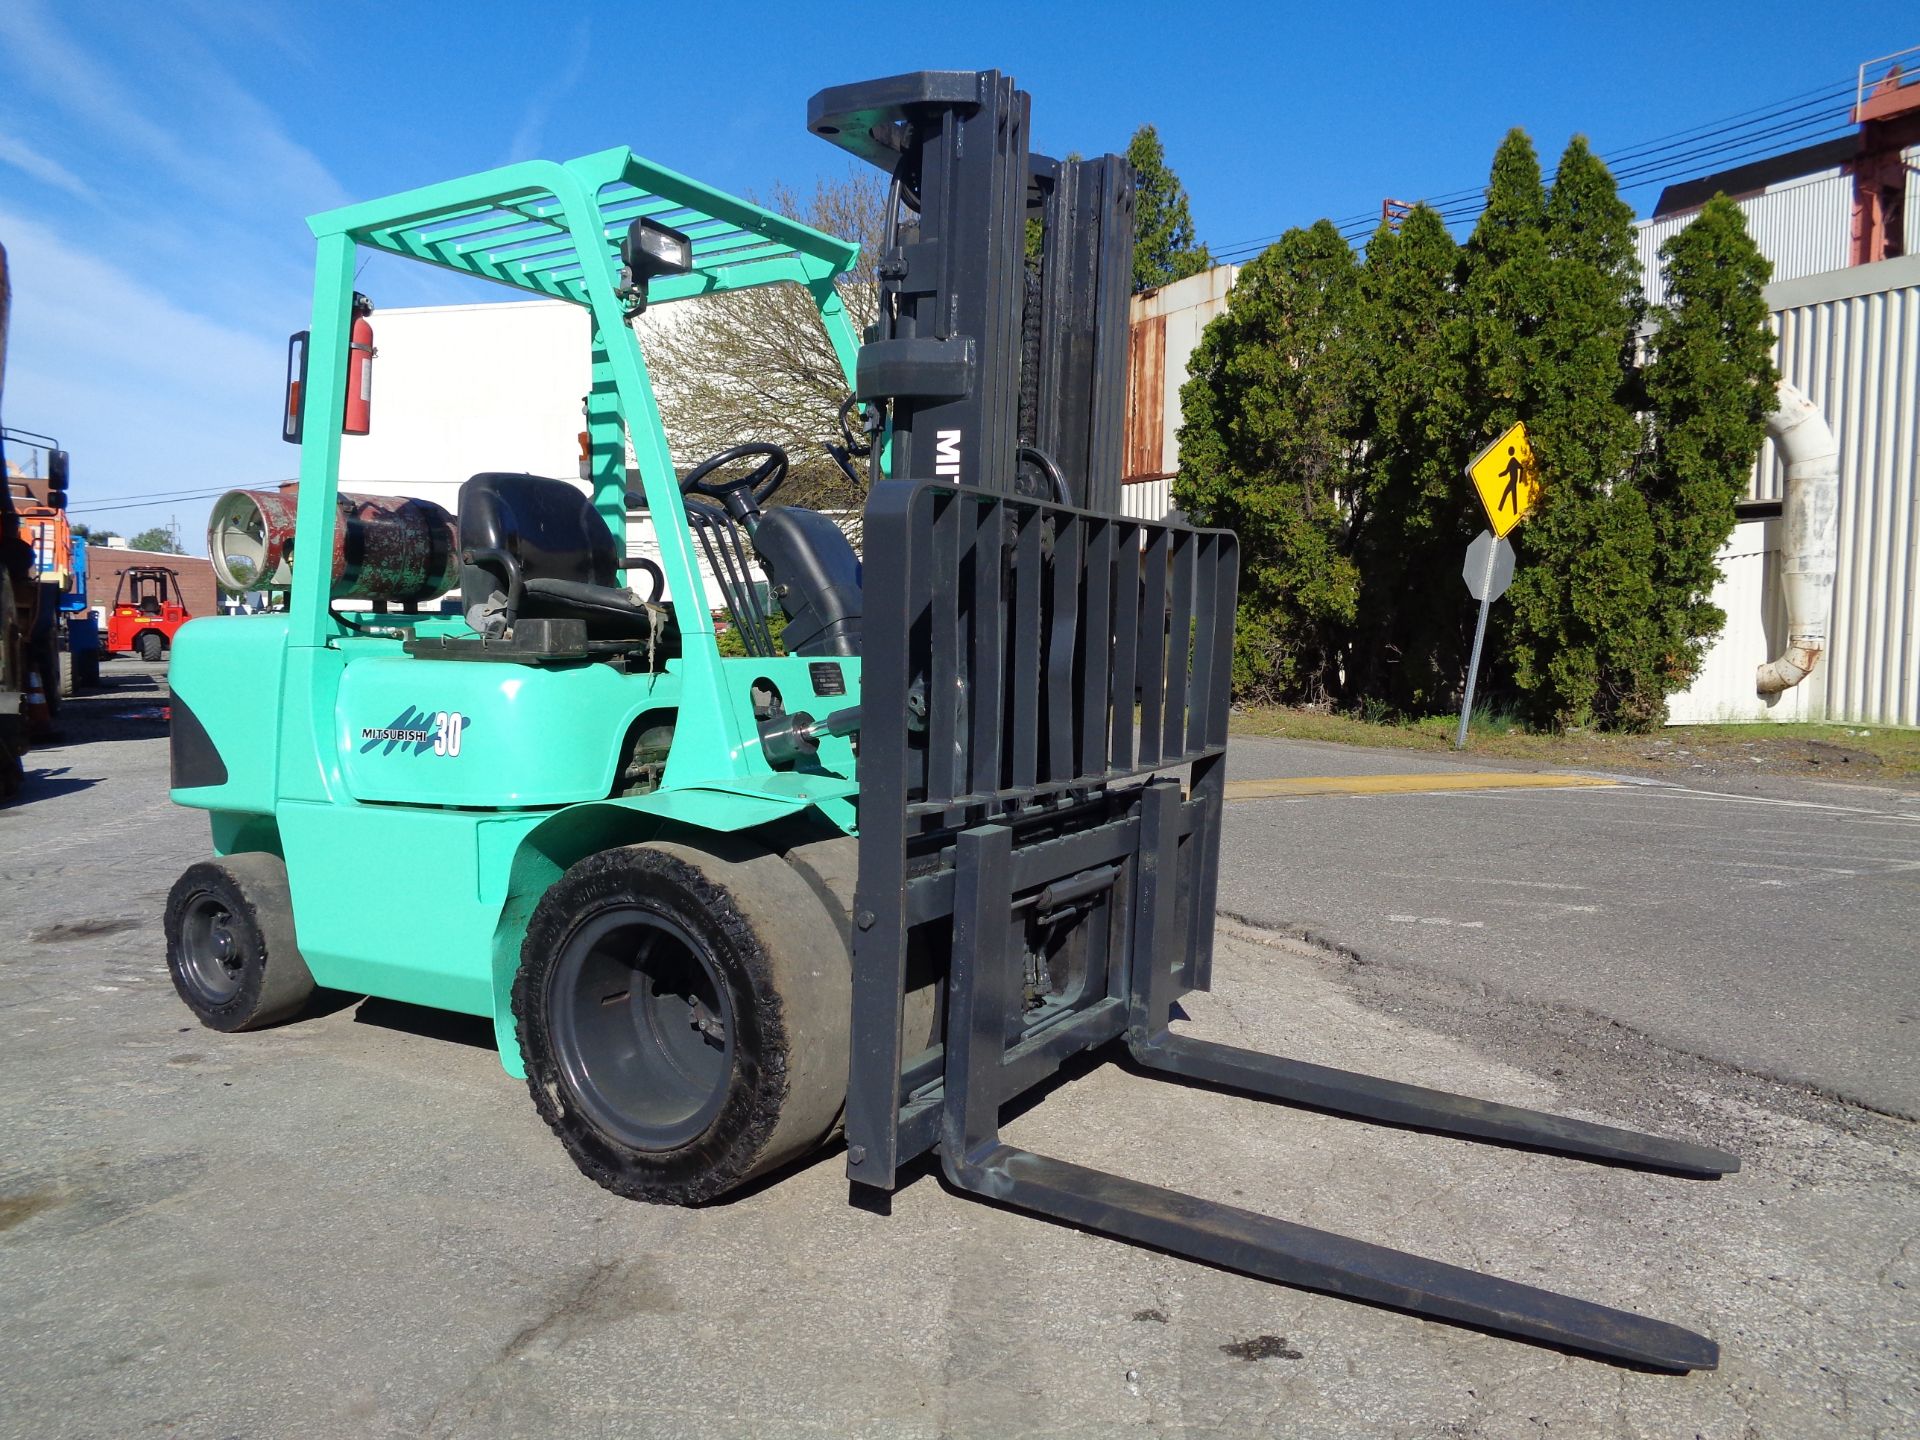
145,500
1727,155
1709,129
1822,107
1651,162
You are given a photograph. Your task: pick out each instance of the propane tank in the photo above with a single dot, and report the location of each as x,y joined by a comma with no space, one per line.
360,353
385,547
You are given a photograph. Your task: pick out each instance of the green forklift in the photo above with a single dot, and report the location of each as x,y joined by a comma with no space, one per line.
955,822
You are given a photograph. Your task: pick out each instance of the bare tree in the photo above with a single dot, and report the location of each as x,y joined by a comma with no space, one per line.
757,364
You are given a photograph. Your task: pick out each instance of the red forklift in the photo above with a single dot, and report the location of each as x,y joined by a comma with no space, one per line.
147,610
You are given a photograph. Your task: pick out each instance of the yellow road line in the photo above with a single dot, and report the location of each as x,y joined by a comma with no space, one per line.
1404,784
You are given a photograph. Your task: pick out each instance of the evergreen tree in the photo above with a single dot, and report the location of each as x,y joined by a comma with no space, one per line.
1552,289
1583,636
1329,410
1268,447
1417,510
1504,288
1164,248
1710,383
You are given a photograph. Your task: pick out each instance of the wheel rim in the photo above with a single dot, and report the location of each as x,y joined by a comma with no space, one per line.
643,1028
212,959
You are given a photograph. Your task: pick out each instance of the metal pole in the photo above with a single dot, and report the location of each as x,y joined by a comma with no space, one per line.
1479,637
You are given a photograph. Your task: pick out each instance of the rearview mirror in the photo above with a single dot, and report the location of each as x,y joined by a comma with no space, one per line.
292,418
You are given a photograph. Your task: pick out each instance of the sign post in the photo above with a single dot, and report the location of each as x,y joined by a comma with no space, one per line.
1488,572
1503,475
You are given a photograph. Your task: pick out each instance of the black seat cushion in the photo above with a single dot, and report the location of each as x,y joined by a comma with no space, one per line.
568,560
570,600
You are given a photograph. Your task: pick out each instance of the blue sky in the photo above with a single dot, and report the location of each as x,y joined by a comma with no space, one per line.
157,159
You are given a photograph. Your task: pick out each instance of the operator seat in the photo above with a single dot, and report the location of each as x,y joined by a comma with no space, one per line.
536,549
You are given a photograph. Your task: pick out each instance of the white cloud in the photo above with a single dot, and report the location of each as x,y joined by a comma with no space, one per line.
238,154
29,161
525,144
112,322
148,395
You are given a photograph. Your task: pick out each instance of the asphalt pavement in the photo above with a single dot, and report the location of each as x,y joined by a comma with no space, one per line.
355,1224
1772,927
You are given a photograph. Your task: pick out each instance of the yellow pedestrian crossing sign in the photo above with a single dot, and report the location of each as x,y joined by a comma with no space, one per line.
1504,475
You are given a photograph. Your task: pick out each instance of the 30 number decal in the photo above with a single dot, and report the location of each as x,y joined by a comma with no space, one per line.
447,728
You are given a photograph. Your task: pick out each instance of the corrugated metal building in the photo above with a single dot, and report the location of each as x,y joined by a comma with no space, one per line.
1800,225
1850,340
1164,329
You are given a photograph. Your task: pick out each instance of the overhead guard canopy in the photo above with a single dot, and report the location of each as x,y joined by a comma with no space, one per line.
509,226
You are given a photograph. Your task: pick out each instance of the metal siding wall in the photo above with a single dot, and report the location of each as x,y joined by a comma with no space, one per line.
1147,499
1858,358
1146,391
1911,157
1171,318
1756,630
1802,227
1183,338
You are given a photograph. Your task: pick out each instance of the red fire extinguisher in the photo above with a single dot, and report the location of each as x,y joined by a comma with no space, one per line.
360,353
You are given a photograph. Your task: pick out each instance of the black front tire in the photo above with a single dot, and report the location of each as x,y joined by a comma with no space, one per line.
152,647
683,1018
230,944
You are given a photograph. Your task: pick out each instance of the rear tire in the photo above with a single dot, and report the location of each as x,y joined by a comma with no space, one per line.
151,647
230,945
683,1017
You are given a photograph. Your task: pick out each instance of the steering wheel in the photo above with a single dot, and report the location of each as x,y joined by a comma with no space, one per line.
744,494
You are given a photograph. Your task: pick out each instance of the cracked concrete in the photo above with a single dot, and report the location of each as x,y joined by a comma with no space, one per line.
356,1225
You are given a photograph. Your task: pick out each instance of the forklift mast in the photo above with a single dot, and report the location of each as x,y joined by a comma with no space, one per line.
1078,377
1044,750
1001,373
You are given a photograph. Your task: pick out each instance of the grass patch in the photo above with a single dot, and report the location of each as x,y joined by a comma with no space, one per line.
1851,752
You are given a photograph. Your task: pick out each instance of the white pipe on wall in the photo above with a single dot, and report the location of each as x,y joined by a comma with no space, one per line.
1811,509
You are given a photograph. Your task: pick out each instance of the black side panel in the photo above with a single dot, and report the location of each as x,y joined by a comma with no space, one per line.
193,758
816,577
